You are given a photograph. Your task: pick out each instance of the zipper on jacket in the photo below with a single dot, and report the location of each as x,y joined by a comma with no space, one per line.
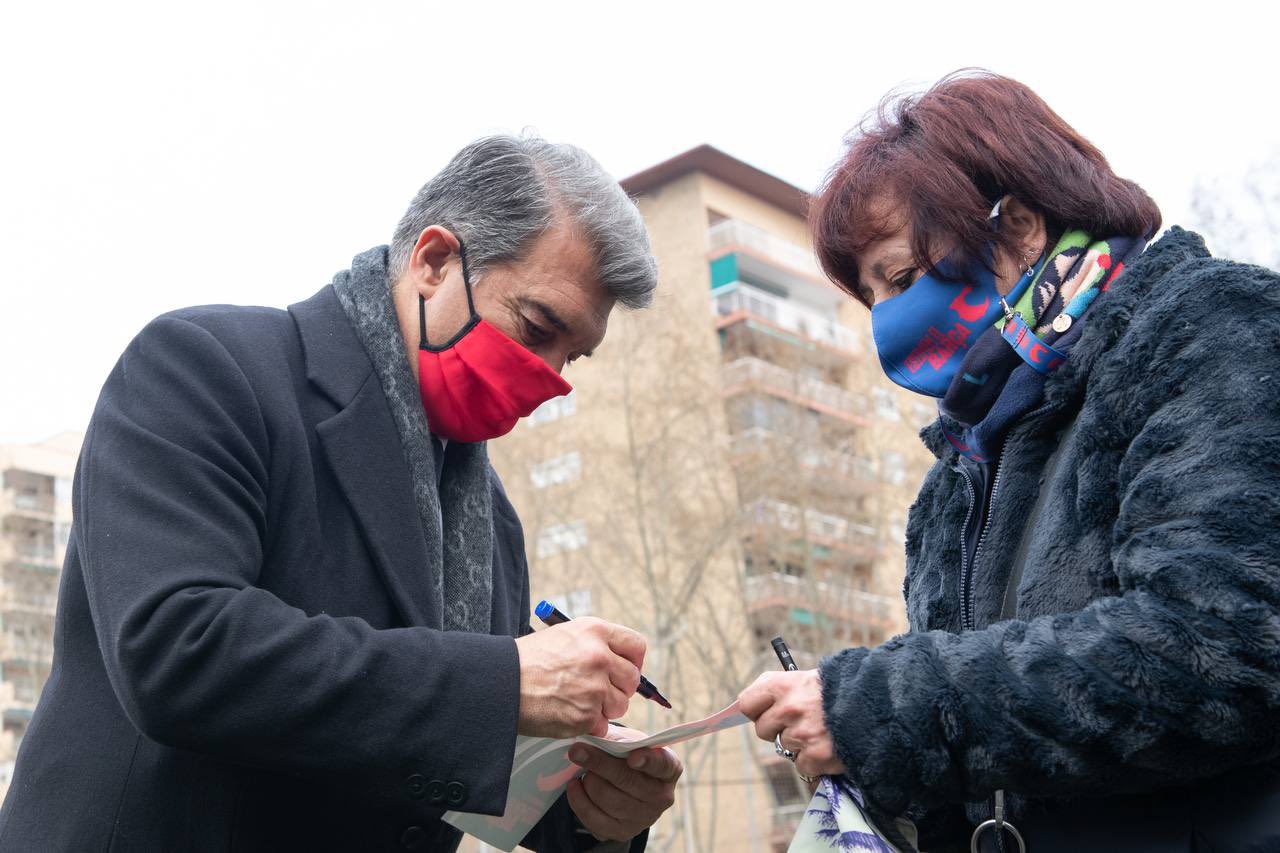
966,608
964,545
967,613
966,565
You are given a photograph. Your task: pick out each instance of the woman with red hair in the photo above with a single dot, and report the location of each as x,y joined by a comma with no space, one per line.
1093,563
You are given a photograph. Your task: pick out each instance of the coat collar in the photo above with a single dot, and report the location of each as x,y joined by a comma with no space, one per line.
336,362
363,449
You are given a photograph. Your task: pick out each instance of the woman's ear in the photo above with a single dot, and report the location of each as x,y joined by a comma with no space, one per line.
1030,235
1028,227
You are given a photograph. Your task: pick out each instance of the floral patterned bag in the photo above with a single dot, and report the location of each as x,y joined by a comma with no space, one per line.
836,820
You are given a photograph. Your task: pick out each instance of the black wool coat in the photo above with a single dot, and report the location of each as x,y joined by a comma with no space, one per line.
1133,702
240,656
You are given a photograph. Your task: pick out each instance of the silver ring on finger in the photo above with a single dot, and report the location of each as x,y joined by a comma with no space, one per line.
782,750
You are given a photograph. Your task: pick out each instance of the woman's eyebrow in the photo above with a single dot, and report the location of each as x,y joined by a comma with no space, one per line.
893,257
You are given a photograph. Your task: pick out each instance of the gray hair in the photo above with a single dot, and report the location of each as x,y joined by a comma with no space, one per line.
501,193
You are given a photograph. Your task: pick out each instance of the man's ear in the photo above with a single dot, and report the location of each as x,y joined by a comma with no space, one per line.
429,261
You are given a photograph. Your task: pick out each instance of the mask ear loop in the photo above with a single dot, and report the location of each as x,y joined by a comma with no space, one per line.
466,277
471,306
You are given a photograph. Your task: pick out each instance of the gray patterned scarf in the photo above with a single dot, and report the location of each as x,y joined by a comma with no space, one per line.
457,516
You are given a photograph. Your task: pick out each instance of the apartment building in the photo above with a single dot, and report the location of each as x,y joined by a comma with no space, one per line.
35,521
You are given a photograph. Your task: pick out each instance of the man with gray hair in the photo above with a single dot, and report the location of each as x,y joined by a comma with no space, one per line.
295,606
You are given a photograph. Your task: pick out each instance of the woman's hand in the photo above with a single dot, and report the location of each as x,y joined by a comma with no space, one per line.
790,704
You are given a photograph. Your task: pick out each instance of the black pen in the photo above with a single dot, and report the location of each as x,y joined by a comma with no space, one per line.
784,654
551,615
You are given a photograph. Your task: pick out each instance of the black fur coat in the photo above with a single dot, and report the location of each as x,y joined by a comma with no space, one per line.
1144,659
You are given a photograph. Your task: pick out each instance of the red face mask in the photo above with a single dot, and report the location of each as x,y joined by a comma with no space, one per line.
480,382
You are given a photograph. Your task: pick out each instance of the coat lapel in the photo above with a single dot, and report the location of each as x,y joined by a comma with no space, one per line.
363,450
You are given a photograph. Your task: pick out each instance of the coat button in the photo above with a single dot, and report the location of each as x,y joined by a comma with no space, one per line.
416,786
435,791
414,838
456,793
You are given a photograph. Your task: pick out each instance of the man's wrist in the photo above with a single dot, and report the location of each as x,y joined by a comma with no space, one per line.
588,843
585,842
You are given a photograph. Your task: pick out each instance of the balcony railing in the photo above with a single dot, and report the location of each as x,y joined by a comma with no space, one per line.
749,370
27,654
40,506
733,233
38,552
836,599
822,528
784,313
21,601
761,441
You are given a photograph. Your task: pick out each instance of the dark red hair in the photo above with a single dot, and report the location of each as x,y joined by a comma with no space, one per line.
937,162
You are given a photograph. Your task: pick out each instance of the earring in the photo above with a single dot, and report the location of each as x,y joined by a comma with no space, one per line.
1028,260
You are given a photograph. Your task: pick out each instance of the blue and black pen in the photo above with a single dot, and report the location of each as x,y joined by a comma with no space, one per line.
551,615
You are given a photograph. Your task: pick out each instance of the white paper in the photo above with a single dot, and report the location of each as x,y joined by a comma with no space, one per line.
542,770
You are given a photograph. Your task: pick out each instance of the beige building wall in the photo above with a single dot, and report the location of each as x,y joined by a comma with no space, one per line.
641,507
35,521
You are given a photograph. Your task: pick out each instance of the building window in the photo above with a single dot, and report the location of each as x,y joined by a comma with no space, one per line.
62,491
562,537
561,469
555,409
885,406
895,467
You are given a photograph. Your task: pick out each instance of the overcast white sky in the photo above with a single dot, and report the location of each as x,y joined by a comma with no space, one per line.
160,155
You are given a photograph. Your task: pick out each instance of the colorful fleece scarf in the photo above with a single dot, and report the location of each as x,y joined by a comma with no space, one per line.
999,381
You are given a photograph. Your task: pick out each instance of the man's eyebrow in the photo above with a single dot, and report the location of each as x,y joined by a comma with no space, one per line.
547,312
550,316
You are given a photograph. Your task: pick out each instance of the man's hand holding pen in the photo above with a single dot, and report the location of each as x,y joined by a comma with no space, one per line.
575,676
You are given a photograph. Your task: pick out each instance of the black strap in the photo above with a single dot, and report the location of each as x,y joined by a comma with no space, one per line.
466,276
471,307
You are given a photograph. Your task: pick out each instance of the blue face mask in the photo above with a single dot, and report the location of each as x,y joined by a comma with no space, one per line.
922,334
